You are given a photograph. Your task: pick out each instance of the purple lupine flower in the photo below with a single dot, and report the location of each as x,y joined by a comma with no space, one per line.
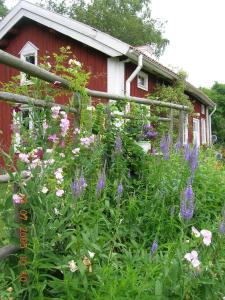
154,248
120,189
177,146
101,183
187,152
187,203
164,146
78,186
147,127
193,159
222,227
118,144
151,134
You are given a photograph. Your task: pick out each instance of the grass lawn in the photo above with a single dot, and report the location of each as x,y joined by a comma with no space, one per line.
5,190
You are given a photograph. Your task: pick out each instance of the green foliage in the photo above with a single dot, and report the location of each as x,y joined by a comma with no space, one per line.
117,18
3,9
119,227
217,94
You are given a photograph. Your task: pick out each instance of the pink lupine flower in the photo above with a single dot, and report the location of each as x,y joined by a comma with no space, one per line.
62,144
55,111
64,124
58,174
24,157
45,125
195,232
207,236
59,193
86,141
192,257
52,138
17,199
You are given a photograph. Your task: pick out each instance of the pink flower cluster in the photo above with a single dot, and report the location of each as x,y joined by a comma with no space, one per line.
86,141
64,124
206,234
192,257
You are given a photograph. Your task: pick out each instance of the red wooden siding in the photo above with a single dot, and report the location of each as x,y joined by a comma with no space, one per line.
134,90
48,41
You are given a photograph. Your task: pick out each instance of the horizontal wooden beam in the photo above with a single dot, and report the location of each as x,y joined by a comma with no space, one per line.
7,178
9,97
8,250
38,72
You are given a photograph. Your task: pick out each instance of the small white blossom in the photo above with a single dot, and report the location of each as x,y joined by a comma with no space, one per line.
76,151
49,150
91,254
76,131
207,236
62,155
195,232
55,111
73,266
44,190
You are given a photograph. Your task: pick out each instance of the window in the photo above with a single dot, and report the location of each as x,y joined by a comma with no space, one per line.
142,81
185,130
196,132
28,53
203,127
203,109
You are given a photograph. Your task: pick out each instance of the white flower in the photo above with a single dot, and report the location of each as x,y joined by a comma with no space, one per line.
91,254
59,193
50,161
74,62
73,266
195,232
56,211
76,151
91,108
62,155
44,190
207,236
55,111
49,150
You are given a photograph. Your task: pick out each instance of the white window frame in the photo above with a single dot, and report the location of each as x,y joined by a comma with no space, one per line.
197,122
17,120
203,109
185,130
145,76
29,49
203,131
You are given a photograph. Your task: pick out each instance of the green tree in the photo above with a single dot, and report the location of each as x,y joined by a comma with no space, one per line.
127,20
3,9
217,94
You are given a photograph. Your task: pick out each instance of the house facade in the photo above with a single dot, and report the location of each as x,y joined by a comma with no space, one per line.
30,32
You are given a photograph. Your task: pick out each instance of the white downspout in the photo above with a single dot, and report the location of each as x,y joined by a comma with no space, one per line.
132,76
210,124
207,124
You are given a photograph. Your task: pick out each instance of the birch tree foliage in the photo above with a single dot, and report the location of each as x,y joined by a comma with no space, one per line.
127,20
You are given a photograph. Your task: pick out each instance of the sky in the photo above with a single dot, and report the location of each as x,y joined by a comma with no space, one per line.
195,29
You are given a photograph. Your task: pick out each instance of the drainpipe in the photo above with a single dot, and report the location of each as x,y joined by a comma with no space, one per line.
210,125
136,71
132,76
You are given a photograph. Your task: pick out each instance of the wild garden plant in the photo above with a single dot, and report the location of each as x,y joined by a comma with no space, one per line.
106,220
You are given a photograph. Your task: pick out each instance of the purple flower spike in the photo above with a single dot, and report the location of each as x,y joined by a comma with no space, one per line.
101,183
222,228
164,146
154,248
193,160
78,186
187,152
118,145
177,146
187,204
120,189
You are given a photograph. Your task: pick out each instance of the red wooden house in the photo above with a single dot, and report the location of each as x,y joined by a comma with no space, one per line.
29,31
